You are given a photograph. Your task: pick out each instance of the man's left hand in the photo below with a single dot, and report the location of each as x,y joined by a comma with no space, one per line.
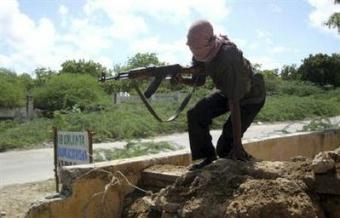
238,153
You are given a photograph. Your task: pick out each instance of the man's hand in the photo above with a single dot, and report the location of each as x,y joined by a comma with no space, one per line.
238,153
177,79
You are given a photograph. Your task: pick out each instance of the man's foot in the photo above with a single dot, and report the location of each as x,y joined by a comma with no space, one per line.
201,164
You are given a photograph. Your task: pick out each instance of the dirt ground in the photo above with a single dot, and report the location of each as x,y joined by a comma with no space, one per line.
15,200
229,188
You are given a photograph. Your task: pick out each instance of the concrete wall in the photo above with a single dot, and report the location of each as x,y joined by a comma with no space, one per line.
285,147
88,182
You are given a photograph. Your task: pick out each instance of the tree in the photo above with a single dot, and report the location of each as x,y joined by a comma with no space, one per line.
144,60
83,67
290,72
321,69
42,76
334,19
26,80
138,60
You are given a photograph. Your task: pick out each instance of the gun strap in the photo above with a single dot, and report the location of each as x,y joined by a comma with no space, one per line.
153,112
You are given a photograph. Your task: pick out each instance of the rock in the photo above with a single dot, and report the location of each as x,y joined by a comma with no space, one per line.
298,158
166,214
327,184
171,207
323,163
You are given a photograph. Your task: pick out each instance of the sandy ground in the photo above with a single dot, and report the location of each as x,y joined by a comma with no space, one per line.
15,200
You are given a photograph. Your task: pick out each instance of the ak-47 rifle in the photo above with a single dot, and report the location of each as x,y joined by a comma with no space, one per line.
158,73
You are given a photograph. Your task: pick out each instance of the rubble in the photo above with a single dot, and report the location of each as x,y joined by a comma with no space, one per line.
301,187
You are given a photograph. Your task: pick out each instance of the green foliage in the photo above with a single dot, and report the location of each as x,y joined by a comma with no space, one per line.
321,69
27,81
132,149
83,67
334,21
14,134
7,124
12,92
67,90
290,72
143,60
281,108
121,122
133,121
320,124
138,60
298,88
42,76
272,80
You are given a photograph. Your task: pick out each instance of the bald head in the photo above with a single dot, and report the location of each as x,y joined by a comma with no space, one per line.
200,34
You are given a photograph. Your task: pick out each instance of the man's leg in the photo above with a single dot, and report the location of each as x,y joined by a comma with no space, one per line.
248,114
199,119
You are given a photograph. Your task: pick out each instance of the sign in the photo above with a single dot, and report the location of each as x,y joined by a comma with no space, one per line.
71,148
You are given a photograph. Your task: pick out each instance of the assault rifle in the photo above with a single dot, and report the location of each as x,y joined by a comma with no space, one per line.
158,73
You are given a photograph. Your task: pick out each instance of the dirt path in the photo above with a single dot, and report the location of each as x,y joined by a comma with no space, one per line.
15,200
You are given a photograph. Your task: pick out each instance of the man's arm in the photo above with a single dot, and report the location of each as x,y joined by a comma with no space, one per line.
234,107
238,151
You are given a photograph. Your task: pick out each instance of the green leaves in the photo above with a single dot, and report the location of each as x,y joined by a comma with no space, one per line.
67,90
321,69
83,67
12,92
334,21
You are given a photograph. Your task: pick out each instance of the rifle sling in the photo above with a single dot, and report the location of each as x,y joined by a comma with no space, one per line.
153,112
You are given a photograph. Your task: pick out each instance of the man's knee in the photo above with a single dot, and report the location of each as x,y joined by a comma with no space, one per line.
200,114
191,115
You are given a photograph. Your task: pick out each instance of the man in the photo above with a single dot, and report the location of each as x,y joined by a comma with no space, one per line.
238,91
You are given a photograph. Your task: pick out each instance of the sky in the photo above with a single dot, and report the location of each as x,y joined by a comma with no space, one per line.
46,33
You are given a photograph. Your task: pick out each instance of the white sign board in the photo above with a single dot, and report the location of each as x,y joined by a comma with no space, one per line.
72,148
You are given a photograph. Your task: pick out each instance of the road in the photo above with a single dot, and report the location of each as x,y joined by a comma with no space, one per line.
35,165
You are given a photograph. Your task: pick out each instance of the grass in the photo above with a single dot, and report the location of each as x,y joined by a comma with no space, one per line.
24,135
282,108
320,124
132,150
133,121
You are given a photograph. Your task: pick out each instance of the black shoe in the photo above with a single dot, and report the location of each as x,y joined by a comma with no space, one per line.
201,164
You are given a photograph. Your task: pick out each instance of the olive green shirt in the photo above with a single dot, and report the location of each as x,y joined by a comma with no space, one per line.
233,75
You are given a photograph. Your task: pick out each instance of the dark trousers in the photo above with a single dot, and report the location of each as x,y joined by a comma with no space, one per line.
200,117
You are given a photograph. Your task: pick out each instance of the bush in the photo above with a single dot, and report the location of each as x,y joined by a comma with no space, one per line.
272,81
67,91
132,120
122,122
12,92
298,88
281,108
11,95
24,135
